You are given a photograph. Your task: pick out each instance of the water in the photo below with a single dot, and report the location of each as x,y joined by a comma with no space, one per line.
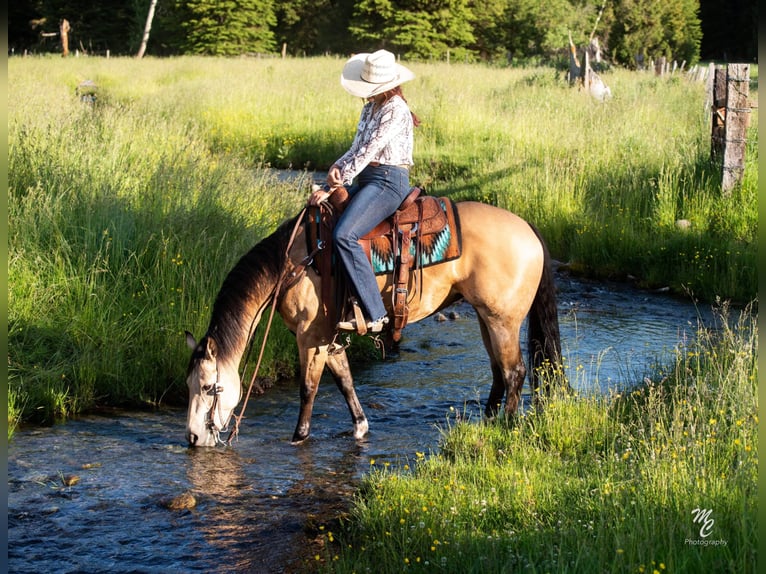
260,503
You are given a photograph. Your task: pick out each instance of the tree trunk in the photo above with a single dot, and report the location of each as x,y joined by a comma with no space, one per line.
147,29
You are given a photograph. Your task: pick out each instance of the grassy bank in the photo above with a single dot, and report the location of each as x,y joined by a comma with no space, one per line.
126,214
588,484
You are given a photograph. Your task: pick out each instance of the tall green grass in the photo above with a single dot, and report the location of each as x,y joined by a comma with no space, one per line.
586,484
125,214
123,224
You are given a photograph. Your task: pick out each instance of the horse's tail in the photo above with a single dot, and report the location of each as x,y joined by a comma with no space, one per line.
543,330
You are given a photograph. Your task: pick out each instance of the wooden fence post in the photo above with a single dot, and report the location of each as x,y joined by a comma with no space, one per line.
737,119
64,33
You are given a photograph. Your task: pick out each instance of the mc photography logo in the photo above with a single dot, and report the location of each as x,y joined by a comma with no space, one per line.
703,517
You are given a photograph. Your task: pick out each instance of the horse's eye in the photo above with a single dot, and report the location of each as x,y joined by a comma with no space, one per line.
206,388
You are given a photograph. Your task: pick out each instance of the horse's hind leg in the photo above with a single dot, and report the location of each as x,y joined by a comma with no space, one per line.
508,370
341,372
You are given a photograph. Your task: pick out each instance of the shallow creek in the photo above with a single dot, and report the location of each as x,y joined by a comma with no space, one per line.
255,501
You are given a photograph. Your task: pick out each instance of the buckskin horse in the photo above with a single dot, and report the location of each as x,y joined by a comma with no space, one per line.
503,271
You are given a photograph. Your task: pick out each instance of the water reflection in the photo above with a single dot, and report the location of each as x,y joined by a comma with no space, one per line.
255,504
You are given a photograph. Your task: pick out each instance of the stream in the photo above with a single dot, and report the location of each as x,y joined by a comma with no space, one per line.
91,494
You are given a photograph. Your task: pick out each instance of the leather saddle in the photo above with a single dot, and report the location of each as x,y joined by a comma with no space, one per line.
394,246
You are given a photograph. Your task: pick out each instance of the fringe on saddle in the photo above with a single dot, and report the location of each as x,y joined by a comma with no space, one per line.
424,231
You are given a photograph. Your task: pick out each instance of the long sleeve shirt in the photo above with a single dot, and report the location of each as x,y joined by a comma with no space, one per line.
383,135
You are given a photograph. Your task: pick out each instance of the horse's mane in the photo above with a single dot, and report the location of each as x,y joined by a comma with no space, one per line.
251,279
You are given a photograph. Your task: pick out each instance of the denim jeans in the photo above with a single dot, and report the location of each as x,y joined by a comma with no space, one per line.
376,194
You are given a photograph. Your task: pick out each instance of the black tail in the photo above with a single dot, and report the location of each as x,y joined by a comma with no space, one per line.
543,330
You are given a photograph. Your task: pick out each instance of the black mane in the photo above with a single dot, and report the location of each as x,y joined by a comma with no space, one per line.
254,275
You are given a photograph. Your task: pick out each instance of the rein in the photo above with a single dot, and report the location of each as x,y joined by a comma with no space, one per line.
274,299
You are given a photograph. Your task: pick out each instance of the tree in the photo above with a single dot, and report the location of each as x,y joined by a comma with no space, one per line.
729,30
315,26
95,27
646,29
229,27
415,29
539,28
147,29
489,32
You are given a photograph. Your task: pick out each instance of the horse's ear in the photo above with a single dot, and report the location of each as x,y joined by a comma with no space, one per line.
190,341
211,349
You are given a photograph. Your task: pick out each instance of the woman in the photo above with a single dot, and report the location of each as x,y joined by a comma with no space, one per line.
379,159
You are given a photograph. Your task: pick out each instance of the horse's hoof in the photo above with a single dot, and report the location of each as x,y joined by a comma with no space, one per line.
361,429
297,440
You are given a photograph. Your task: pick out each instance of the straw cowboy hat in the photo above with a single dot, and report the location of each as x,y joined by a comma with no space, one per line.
366,75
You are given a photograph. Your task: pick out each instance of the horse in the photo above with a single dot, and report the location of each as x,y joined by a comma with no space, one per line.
504,272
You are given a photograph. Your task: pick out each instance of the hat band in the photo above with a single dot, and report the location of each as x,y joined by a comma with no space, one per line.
373,76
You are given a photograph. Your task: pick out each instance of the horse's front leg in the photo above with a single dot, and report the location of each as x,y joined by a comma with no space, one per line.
313,360
341,372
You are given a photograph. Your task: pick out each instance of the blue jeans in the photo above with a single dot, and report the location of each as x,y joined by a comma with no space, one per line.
376,194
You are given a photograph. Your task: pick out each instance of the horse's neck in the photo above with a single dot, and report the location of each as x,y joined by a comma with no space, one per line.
233,338
247,292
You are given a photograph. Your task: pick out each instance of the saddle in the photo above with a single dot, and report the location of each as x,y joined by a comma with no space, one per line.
423,231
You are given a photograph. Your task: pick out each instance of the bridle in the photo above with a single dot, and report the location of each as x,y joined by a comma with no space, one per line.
215,390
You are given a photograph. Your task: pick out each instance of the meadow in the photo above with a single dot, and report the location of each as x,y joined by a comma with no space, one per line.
126,212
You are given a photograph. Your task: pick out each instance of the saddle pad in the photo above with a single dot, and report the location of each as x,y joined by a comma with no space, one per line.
437,247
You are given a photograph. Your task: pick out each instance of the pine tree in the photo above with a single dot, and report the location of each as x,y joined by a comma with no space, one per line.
645,29
415,29
229,27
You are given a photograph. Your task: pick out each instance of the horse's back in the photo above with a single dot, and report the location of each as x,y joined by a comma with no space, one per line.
498,237
498,270
502,260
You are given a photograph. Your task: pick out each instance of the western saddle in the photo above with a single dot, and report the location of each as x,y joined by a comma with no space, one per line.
418,216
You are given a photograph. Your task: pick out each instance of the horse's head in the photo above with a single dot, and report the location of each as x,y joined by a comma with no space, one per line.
214,392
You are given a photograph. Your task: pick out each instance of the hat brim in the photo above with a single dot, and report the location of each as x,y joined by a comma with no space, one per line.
352,82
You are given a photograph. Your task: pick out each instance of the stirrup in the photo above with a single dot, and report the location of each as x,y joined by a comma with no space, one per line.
368,326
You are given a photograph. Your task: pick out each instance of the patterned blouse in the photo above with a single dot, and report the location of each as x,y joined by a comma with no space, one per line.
383,135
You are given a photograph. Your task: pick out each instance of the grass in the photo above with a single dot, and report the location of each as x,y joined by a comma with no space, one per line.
126,214
586,484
